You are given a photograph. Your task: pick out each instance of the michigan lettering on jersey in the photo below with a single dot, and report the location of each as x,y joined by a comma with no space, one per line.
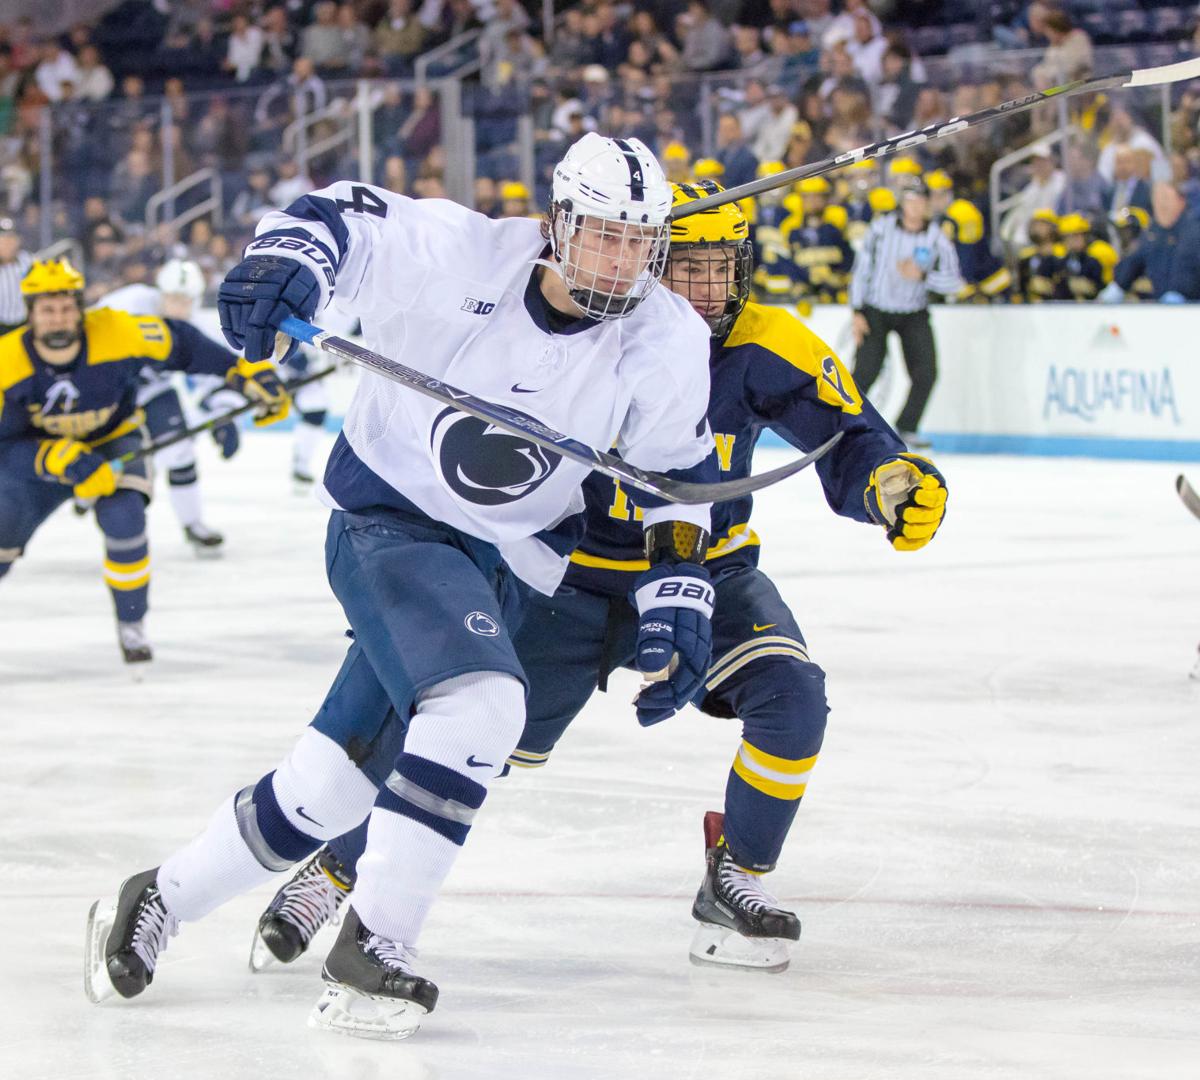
72,425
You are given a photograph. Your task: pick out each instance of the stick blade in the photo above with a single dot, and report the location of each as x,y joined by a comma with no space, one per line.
1168,73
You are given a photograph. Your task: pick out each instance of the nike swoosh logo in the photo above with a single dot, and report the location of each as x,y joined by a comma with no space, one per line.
479,764
517,388
300,811
765,626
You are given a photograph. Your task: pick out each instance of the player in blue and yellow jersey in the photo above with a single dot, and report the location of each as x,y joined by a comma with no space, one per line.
768,371
68,406
1087,263
820,252
988,279
1040,264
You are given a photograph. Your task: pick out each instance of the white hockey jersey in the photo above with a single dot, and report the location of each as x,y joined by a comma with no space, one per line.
449,292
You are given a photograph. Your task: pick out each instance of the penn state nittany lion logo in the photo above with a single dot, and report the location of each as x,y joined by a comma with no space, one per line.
484,464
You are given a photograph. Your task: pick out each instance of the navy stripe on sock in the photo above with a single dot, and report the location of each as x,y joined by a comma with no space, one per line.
438,797
279,834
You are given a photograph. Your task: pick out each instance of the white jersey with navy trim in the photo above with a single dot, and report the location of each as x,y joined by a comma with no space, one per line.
444,290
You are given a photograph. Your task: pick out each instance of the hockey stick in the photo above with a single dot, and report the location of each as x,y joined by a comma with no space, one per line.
1156,76
130,456
1188,494
675,491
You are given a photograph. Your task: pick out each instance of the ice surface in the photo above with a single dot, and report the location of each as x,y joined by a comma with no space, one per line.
997,863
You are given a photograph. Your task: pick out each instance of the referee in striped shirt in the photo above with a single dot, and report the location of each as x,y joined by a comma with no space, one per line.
904,258
14,265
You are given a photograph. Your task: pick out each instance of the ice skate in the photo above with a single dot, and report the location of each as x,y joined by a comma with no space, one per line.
309,900
372,991
135,646
206,543
302,479
124,939
741,924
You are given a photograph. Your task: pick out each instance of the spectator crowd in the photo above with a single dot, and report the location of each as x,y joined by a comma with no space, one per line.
100,117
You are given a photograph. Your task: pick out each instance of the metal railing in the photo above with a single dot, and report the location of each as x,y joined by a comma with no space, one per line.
67,246
1001,204
446,52
214,204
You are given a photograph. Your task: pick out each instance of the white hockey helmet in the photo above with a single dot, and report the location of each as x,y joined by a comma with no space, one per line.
181,277
610,206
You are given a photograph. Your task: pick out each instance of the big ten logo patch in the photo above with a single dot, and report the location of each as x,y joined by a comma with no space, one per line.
478,307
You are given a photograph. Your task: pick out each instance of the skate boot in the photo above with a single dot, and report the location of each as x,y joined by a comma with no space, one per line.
308,901
741,924
302,479
372,992
135,646
124,939
206,543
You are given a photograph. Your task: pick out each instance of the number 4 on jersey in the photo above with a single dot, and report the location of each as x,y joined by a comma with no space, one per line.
363,201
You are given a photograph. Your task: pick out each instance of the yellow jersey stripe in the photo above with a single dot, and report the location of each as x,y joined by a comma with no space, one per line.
739,536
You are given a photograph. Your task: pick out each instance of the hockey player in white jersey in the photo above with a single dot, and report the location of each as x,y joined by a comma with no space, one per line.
177,289
435,515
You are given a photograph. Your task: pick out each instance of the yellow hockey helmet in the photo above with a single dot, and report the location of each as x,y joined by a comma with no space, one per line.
814,185
723,227
837,216
1131,217
1074,225
968,219
939,180
513,189
48,276
708,168
882,200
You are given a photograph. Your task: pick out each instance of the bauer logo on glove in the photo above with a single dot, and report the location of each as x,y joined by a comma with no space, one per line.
907,496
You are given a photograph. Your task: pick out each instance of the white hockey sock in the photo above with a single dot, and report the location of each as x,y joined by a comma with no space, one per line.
215,867
458,740
185,501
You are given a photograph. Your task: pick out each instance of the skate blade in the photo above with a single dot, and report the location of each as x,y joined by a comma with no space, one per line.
718,946
138,671
347,1012
96,983
208,553
261,956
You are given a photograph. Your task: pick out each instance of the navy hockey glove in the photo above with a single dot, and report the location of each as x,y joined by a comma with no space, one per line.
674,641
257,295
227,437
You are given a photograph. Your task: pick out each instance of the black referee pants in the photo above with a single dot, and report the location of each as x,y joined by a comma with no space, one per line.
920,358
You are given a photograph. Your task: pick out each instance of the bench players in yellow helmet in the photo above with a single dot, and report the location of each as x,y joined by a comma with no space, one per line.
68,407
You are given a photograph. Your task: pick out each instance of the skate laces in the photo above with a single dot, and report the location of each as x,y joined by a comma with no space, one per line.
394,954
744,888
310,900
155,926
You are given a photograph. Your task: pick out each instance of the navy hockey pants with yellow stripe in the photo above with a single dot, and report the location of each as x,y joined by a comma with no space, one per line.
760,675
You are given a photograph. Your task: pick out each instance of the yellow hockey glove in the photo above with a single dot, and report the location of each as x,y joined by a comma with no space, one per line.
907,496
72,462
257,381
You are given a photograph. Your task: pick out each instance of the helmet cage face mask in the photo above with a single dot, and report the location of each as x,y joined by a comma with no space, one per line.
724,268
609,265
